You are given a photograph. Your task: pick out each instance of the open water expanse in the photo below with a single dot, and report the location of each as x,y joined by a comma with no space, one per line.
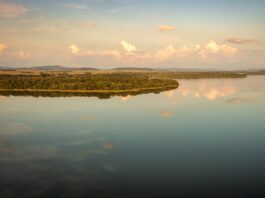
205,138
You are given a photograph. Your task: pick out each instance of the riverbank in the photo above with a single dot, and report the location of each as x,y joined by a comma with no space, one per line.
91,91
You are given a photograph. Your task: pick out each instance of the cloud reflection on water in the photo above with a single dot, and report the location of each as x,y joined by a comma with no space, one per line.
203,89
166,114
238,100
126,98
213,89
61,152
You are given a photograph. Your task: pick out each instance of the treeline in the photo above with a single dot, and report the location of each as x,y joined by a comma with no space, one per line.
88,81
197,75
116,81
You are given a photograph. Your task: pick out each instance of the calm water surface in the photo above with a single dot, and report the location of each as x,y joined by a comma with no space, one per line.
206,138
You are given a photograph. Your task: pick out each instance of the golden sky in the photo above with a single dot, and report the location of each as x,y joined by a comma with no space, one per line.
114,33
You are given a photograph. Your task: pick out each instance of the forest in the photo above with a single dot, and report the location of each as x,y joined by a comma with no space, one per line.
88,81
102,82
197,75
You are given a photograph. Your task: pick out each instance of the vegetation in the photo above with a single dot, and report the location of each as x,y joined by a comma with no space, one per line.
100,95
100,84
197,75
114,82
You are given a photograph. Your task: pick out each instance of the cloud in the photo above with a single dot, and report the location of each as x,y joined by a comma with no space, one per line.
166,28
90,53
3,47
166,53
170,52
209,53
74,49
166,114
209,50
214,48
12,54
128,47
10,10
240,41
75,6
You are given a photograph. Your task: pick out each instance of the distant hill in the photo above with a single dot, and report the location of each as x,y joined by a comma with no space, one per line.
257,70
45,68
85,68
133,68
188,69
172,69
6,68
48,68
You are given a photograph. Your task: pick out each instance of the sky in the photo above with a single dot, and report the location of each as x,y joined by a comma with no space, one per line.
214,34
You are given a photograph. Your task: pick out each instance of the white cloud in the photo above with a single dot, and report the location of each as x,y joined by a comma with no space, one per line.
201,53
208,53
128,47
12,54
90,53
170,52
10,10
214,48
166,53
74,49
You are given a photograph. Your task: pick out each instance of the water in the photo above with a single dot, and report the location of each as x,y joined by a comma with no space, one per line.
206,138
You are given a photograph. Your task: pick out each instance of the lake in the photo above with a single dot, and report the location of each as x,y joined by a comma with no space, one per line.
205,138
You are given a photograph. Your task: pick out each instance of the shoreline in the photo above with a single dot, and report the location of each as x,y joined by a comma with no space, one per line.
90,91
